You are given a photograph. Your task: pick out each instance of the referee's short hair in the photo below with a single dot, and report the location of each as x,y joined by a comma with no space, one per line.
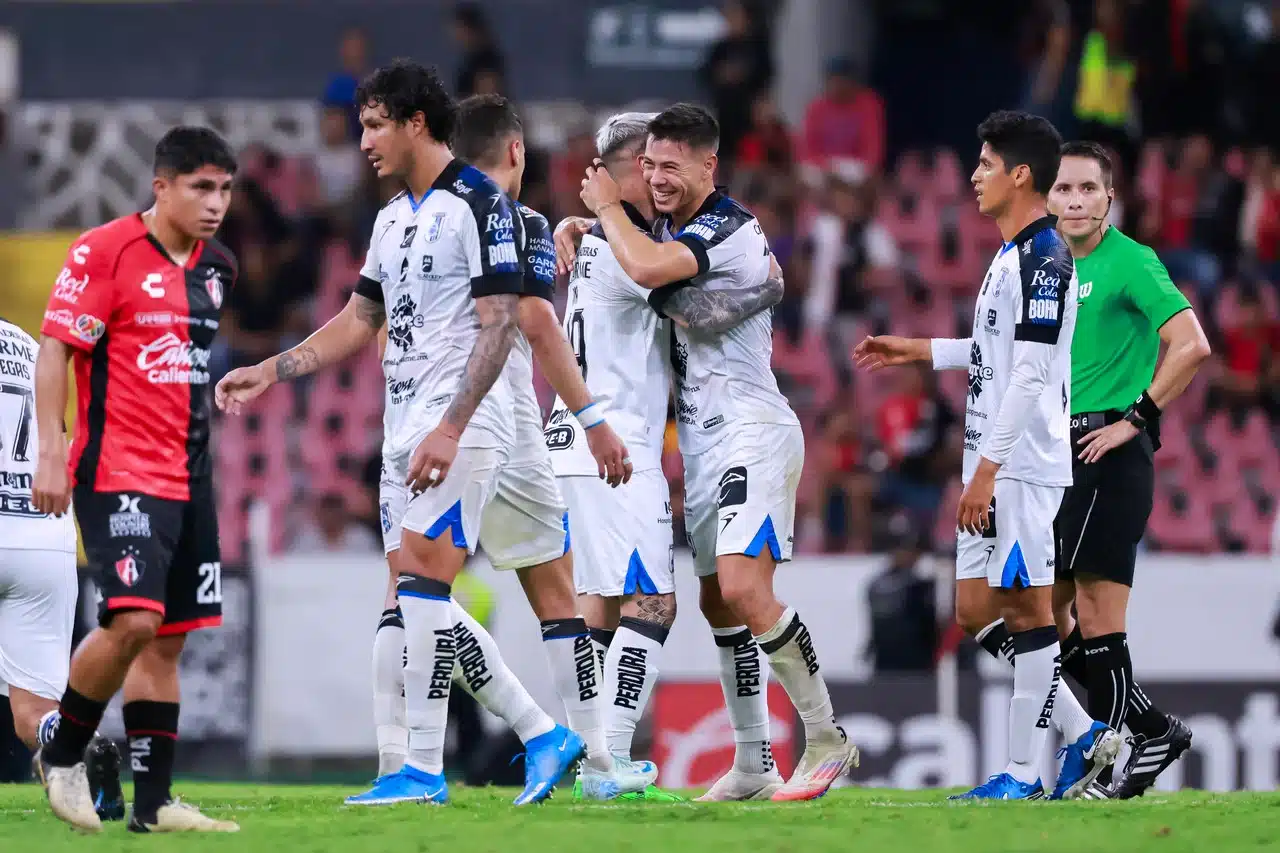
1092,151
1025,139
405,88
622,134
690,124
484,122
183,150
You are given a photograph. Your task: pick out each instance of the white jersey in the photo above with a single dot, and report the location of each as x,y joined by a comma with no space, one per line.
538,257
1027,309
21,526
429,259
723,380
621,345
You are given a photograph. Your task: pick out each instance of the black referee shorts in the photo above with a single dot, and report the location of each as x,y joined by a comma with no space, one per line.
1104,513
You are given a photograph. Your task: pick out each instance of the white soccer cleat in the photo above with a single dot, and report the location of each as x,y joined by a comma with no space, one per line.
177,816
824,761
625,777
737,786
68,792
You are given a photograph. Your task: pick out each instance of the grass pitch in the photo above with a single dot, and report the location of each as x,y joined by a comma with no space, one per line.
298,819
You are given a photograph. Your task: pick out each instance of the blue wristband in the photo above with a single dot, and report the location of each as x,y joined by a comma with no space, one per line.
589,416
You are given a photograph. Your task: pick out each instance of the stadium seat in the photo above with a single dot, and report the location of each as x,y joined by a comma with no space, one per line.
1250,445
1189,531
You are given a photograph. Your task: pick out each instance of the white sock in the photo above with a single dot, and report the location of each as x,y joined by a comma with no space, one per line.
600,640
744,678
1069,717
428,670
795,663
630,671
481,671
1035,685
575,669
388,692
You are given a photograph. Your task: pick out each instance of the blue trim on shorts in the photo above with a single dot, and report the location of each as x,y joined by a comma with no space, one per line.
451,520
566,532
638,578
1015,569
765,536
403,594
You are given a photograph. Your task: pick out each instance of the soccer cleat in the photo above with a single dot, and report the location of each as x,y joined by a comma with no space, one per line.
177,816
546,759
737,786
1097,791
1002,786
1082,761
651,794
824,761
102,767
1149,757
408,785
629,779
68,791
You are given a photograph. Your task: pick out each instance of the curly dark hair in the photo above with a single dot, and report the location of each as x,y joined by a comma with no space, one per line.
183,150
405,88
690,124
1025,139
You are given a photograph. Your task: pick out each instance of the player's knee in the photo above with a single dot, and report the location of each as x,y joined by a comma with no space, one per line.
659,609
743,593
134,629
713,606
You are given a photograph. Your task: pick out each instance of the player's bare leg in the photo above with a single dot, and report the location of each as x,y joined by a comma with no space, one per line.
29,710
151,709
388,680
601,615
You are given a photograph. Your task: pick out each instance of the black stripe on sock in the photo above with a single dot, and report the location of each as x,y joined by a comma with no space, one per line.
391,619
653,631
1025,642
998,641
732,641
1110,677
603,636
777,643
420,586
556,629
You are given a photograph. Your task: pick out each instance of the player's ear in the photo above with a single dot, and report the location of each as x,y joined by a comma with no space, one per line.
710,164
159,185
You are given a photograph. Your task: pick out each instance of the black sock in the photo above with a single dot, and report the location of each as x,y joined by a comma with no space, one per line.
1073,658
1144,718
1110,681
153,732
80,718
997,640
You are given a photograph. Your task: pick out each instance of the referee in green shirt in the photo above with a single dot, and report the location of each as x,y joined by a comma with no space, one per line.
1127,307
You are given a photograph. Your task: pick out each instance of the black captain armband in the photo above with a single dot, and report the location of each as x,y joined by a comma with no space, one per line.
1143,411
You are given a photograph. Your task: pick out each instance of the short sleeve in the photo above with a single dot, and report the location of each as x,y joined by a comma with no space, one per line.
718,239
1151,290
1039,302
539,255
83,298
488,232
369,285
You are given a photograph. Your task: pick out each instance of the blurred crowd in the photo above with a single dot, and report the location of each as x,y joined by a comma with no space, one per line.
871,241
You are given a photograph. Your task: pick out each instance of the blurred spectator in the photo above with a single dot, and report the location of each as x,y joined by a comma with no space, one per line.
332,530
1105,83
353,60
904,615
1183,224
481,70
568,168
767,142
340,166
12,199
738,68
1260,214
843,486
1046,45
914,425
1248,353
846,121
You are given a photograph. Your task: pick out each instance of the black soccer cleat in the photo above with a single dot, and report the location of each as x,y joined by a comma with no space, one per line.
102,765
1149,757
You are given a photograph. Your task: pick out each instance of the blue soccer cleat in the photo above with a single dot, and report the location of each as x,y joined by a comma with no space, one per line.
1003,787
1082,761
409,785
547,758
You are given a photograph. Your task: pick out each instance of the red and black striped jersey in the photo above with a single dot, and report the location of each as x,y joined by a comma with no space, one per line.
142,327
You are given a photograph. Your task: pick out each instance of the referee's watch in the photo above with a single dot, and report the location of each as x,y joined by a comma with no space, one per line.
1143,411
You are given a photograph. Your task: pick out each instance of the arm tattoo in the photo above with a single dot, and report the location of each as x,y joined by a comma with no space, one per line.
298,361
498,327
371,313
657,609
718,311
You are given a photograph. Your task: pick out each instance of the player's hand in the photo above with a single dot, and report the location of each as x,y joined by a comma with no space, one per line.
568,236
1097,443
431,461
610,454
873,353
51,489
599,189
974,513
239,387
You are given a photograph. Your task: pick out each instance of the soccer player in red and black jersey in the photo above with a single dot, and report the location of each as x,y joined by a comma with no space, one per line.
136,309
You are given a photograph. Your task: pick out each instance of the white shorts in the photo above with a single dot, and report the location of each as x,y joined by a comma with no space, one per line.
524,524
38,592
740,497
1018,548
455,507
621,537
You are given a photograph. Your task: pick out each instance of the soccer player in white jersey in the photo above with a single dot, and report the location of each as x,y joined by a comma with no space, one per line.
741,443
444,263
1017,454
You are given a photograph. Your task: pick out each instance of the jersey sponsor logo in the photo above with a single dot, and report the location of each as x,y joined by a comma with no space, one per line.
1026,247
15,370
700,231
436,228
61,317
460,188
213,286
1085,289
402,390
404,318
503,254
384,513
89,328
129,520
686,413
633,671
978,372
428,262
733,487
713,422
679,357
67,288
152,285
972,438
129,569
1045,284
710,220
170,360
559,416
559,438
1043,311
992,316
498,222
407,240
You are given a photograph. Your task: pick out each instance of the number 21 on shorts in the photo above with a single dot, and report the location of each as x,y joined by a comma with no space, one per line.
210,589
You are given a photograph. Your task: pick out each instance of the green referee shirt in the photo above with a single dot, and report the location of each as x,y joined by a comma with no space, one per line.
1126,295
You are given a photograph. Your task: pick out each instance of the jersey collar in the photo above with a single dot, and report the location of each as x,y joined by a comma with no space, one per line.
636,217
450,174
1046,221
